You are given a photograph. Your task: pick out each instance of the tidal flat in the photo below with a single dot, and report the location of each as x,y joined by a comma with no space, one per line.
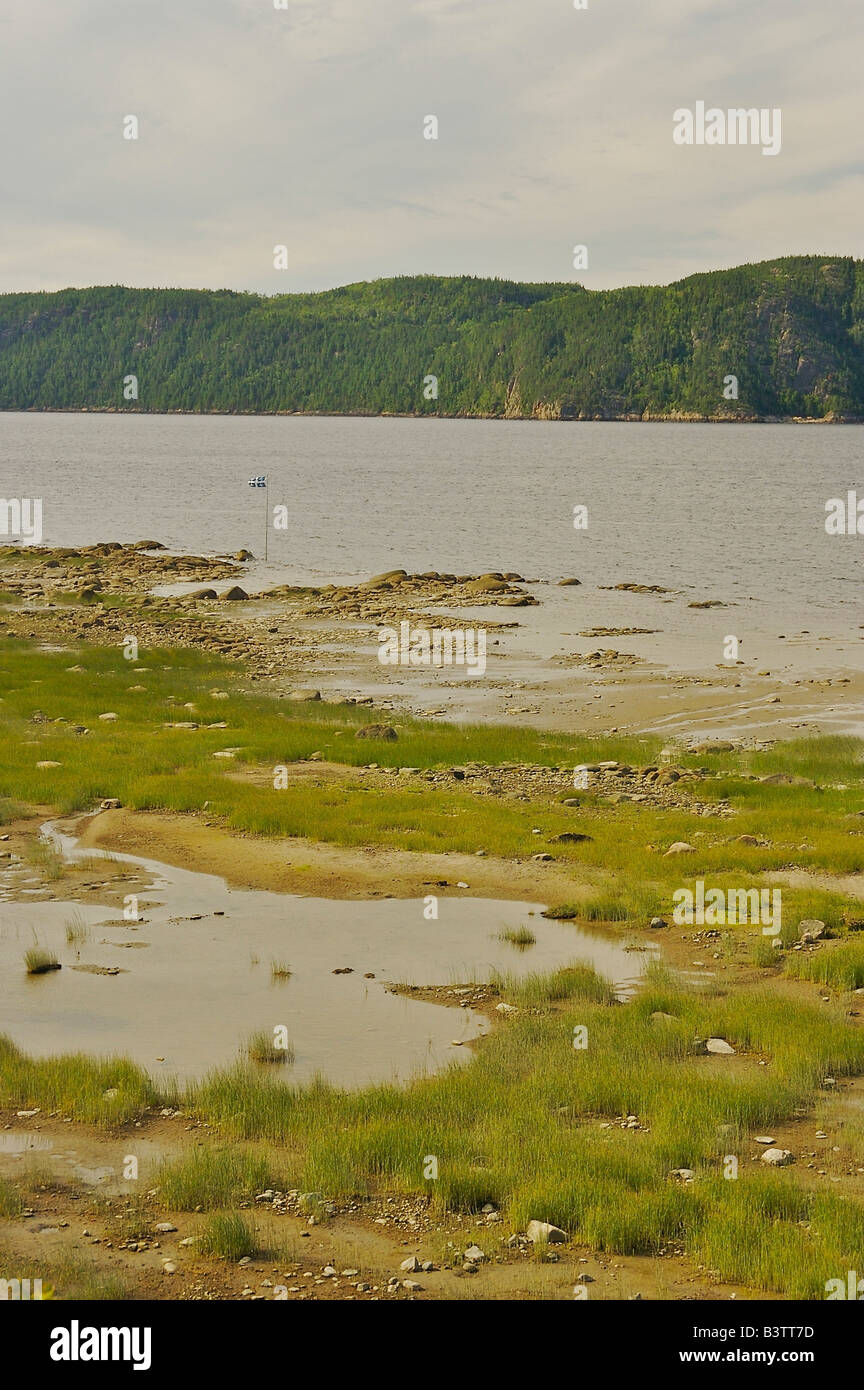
467,864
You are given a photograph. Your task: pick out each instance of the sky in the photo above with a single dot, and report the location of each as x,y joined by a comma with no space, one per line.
304,127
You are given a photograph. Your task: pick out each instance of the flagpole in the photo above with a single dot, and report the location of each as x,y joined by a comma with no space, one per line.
266,519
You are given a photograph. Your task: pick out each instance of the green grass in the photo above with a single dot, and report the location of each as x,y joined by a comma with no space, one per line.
10,1200
521,937
261,1047
228,1236
149,766
838,966
521,1127
211,1178
280,970
105,1093
38,961
46,859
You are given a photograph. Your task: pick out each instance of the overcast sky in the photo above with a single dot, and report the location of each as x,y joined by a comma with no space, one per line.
305,127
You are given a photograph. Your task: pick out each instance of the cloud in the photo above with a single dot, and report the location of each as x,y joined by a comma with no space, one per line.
305,127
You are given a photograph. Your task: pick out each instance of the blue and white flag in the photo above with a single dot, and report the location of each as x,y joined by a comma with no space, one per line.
260,481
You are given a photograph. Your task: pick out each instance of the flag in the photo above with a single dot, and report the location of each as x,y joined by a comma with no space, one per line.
260,481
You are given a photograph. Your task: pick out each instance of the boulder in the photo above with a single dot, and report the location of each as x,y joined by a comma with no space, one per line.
384,581
778,1158
235,594
811,929
304,693
679,847
720,1047
383,731
564,583
542,1230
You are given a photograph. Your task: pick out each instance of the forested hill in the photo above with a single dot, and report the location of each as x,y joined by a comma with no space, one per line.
789,330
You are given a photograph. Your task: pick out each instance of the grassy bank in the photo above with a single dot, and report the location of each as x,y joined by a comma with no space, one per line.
535,1125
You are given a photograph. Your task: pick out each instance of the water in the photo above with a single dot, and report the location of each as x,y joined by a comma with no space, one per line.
734,513
192,992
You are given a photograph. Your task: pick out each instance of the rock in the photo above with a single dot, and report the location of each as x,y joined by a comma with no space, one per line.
683,1174
657,922
412,1286
109,717
541,858
584,1279
811,929
563,583
46,762
778,1158
203,593
475,1254
169,1267
679,847
304,693
659,1017
537,1231
111,803
720,1046
380,581
487,585
164,1228
411,1265
235,594
768,1139
571,837
243,555
383,731
713,746
506,1009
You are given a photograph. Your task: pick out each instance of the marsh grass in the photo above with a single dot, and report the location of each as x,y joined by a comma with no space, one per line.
38,961
839,966
280,970
261,1047
212,1178
521,1126
521,937
228,1236
150,766
46,859
77,930
11,1203
100,1092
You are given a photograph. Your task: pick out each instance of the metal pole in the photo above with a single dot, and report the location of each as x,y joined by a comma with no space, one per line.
266,520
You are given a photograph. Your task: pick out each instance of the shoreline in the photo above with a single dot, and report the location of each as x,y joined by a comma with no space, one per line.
627,418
